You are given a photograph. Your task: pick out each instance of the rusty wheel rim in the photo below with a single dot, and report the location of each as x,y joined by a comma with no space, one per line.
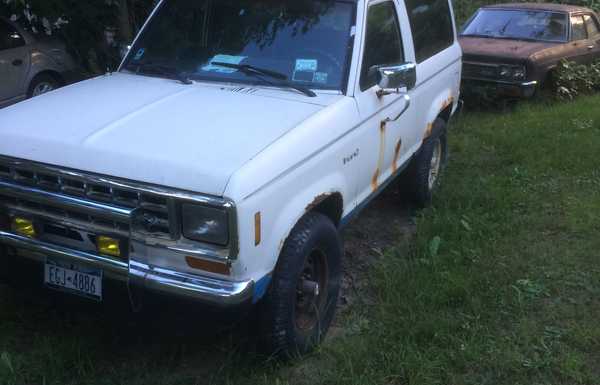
311,291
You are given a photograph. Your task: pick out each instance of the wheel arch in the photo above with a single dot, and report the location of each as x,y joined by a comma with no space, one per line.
441,108
47,72
326,197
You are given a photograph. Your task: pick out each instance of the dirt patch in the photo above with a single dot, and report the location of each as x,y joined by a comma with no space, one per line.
385,223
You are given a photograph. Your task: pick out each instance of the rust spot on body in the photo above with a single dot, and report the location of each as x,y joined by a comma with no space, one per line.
396,155
375,180
448,102
317,201
429,130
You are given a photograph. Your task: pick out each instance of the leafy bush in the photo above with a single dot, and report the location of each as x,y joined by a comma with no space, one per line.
575,79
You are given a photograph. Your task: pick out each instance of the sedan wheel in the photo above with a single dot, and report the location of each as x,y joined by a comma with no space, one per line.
42,88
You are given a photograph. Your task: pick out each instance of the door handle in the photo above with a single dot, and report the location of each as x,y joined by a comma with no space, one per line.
406,98
17,62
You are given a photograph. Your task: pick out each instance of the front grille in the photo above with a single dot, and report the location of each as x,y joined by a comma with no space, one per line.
481,71
88,188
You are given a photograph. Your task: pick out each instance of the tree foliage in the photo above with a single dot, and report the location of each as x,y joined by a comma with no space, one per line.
83,25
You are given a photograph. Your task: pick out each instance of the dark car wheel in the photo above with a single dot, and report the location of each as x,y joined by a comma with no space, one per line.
300,303
423,175
42,84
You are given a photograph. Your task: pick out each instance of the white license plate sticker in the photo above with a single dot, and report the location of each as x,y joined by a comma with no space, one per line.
74,279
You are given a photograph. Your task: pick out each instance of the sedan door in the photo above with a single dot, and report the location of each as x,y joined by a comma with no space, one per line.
14,64
580,50
593,30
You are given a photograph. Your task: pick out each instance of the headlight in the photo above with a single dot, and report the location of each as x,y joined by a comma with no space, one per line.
512,72
519,73
506,72
205,224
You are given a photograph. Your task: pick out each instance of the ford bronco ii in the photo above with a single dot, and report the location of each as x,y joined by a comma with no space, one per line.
221,159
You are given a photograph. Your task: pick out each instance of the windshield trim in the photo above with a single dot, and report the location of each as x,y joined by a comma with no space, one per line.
343,87
564,40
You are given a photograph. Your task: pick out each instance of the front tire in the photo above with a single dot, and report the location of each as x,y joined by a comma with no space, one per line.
301,301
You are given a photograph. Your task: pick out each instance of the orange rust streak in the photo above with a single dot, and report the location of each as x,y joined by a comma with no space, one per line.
375,180
396,155
429,130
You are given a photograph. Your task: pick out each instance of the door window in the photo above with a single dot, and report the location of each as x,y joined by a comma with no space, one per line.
383,43
9,36
578,31
432,27
592,26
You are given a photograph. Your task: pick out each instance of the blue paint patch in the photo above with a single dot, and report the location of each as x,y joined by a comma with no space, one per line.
260,288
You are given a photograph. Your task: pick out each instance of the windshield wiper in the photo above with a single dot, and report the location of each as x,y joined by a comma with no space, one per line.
161,69
282,79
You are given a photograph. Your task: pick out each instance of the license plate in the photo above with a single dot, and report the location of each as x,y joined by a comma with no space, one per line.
74,279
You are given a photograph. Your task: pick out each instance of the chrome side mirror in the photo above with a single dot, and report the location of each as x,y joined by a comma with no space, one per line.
392,78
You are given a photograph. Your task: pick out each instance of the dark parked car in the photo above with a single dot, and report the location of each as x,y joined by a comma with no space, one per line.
512,49
31,66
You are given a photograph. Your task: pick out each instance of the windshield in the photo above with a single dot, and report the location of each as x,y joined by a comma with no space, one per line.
307,41
519,25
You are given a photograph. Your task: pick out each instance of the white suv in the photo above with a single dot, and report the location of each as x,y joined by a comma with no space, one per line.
220,161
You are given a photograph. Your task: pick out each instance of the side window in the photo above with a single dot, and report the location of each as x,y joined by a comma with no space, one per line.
432,28
9,36
592,26
383,44
578,28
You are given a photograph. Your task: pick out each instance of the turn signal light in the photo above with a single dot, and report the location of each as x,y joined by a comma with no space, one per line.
212,267
108,246
23,227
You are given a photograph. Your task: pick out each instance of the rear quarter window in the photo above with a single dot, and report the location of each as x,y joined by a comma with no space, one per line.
592,26
432,27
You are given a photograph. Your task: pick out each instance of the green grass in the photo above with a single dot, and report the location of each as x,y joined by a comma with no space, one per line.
500,286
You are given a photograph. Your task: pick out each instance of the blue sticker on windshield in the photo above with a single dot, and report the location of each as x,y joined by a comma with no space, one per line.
320,77
305,69
139,54
306,65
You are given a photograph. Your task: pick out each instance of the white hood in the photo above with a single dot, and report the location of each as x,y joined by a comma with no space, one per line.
192,137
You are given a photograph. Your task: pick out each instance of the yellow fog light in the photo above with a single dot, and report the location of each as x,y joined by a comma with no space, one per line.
108,246
23,227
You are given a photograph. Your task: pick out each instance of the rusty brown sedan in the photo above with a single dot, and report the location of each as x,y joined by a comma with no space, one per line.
512,49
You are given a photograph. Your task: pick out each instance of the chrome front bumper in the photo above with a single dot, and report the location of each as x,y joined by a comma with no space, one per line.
504,88
203,289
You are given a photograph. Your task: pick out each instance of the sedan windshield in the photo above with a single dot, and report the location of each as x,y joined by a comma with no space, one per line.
518,25
301,43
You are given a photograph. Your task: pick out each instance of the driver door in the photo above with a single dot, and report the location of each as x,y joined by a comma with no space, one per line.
388,121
